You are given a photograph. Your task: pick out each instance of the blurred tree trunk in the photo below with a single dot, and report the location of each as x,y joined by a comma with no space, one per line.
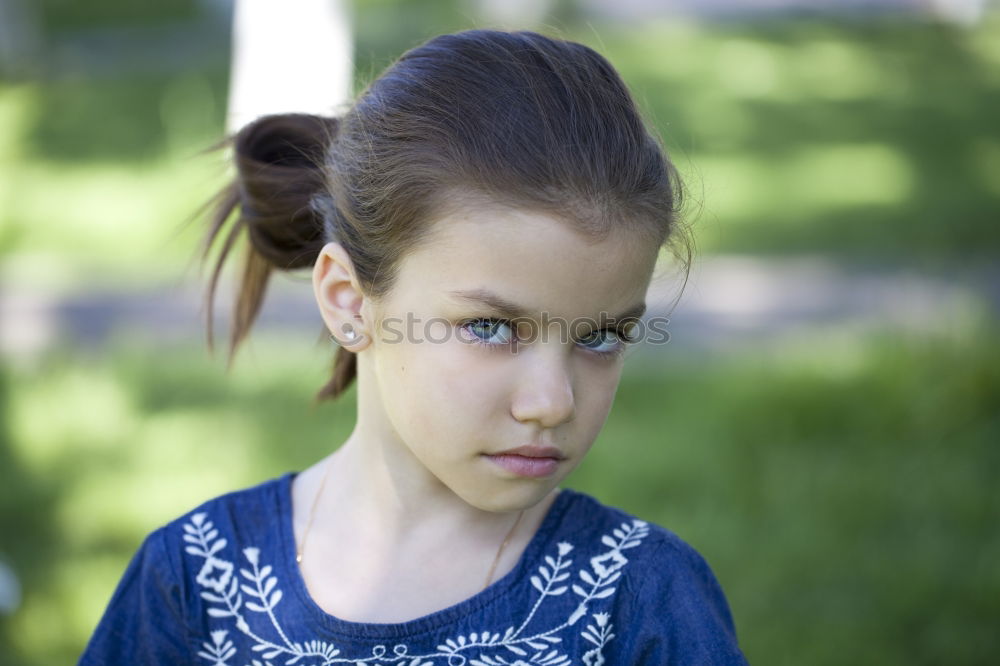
289,57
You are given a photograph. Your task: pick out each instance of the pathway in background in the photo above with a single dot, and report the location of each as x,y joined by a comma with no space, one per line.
729,301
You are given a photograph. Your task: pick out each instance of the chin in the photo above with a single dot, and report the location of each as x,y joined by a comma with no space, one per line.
515,499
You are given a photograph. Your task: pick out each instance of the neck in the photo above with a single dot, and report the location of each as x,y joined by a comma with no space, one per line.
400,505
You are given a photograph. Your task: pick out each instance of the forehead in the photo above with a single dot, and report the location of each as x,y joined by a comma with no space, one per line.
529,258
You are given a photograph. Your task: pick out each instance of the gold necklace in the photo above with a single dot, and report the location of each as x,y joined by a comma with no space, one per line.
489,576
312,514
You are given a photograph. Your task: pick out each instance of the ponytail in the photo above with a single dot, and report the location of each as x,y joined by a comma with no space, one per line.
279,163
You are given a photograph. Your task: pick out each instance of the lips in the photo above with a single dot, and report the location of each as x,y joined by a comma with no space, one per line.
529,460
526,466
533,451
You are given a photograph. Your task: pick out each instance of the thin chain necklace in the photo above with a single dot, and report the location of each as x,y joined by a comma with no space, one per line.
312,514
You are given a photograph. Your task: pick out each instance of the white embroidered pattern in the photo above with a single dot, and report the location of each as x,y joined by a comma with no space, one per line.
255,590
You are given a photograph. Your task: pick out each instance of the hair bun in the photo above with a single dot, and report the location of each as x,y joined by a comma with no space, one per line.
279,163
279,160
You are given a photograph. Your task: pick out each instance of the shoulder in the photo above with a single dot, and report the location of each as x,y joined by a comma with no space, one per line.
669,605
155,612
248,509
248,515
203,545
592,522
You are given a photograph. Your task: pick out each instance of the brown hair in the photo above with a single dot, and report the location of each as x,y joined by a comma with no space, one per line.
515,118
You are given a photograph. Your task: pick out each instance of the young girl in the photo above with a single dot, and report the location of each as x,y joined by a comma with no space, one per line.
482,227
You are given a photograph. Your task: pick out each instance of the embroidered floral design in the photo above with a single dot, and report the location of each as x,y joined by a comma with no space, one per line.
599,636
215,573
219,649
255,591
608,563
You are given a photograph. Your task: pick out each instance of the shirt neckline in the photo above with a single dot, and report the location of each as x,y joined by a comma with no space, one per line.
503,586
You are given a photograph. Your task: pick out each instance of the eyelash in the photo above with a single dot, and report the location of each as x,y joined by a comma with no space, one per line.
624,339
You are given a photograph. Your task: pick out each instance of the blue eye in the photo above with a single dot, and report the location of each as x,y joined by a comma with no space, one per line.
497,333
484,334
615,342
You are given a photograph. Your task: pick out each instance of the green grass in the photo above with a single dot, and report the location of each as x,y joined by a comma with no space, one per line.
846,502
868,139
872,138
845,497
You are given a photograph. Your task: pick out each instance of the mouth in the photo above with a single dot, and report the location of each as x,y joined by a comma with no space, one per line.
533,451
525,465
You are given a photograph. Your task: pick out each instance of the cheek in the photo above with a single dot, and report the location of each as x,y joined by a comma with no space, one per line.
600,396
404,377
463,377
440,387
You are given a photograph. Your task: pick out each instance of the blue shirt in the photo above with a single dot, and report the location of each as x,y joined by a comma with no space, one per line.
595,585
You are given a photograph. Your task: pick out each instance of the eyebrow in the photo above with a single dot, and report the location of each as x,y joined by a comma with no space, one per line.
514,311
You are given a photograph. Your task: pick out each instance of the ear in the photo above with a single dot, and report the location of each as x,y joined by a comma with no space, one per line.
339,297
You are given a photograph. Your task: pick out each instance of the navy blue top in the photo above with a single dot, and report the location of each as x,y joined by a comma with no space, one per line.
595,585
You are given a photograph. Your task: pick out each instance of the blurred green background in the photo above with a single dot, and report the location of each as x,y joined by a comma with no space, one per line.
842,486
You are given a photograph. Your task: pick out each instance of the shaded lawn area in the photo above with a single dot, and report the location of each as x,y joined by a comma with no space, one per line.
846,502
873,138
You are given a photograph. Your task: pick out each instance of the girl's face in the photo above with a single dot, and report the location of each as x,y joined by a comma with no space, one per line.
458,380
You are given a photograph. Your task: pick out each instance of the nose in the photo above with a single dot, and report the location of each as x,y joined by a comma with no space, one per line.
545,390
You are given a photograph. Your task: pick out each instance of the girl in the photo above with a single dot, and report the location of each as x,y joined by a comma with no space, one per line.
482,226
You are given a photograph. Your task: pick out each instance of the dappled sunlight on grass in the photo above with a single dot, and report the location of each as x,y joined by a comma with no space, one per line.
847,175
784,125
98,177
112,219
123,444
810,180
86,411
840,480
835,497
835,70
876,448
985,163
801,135
746,69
